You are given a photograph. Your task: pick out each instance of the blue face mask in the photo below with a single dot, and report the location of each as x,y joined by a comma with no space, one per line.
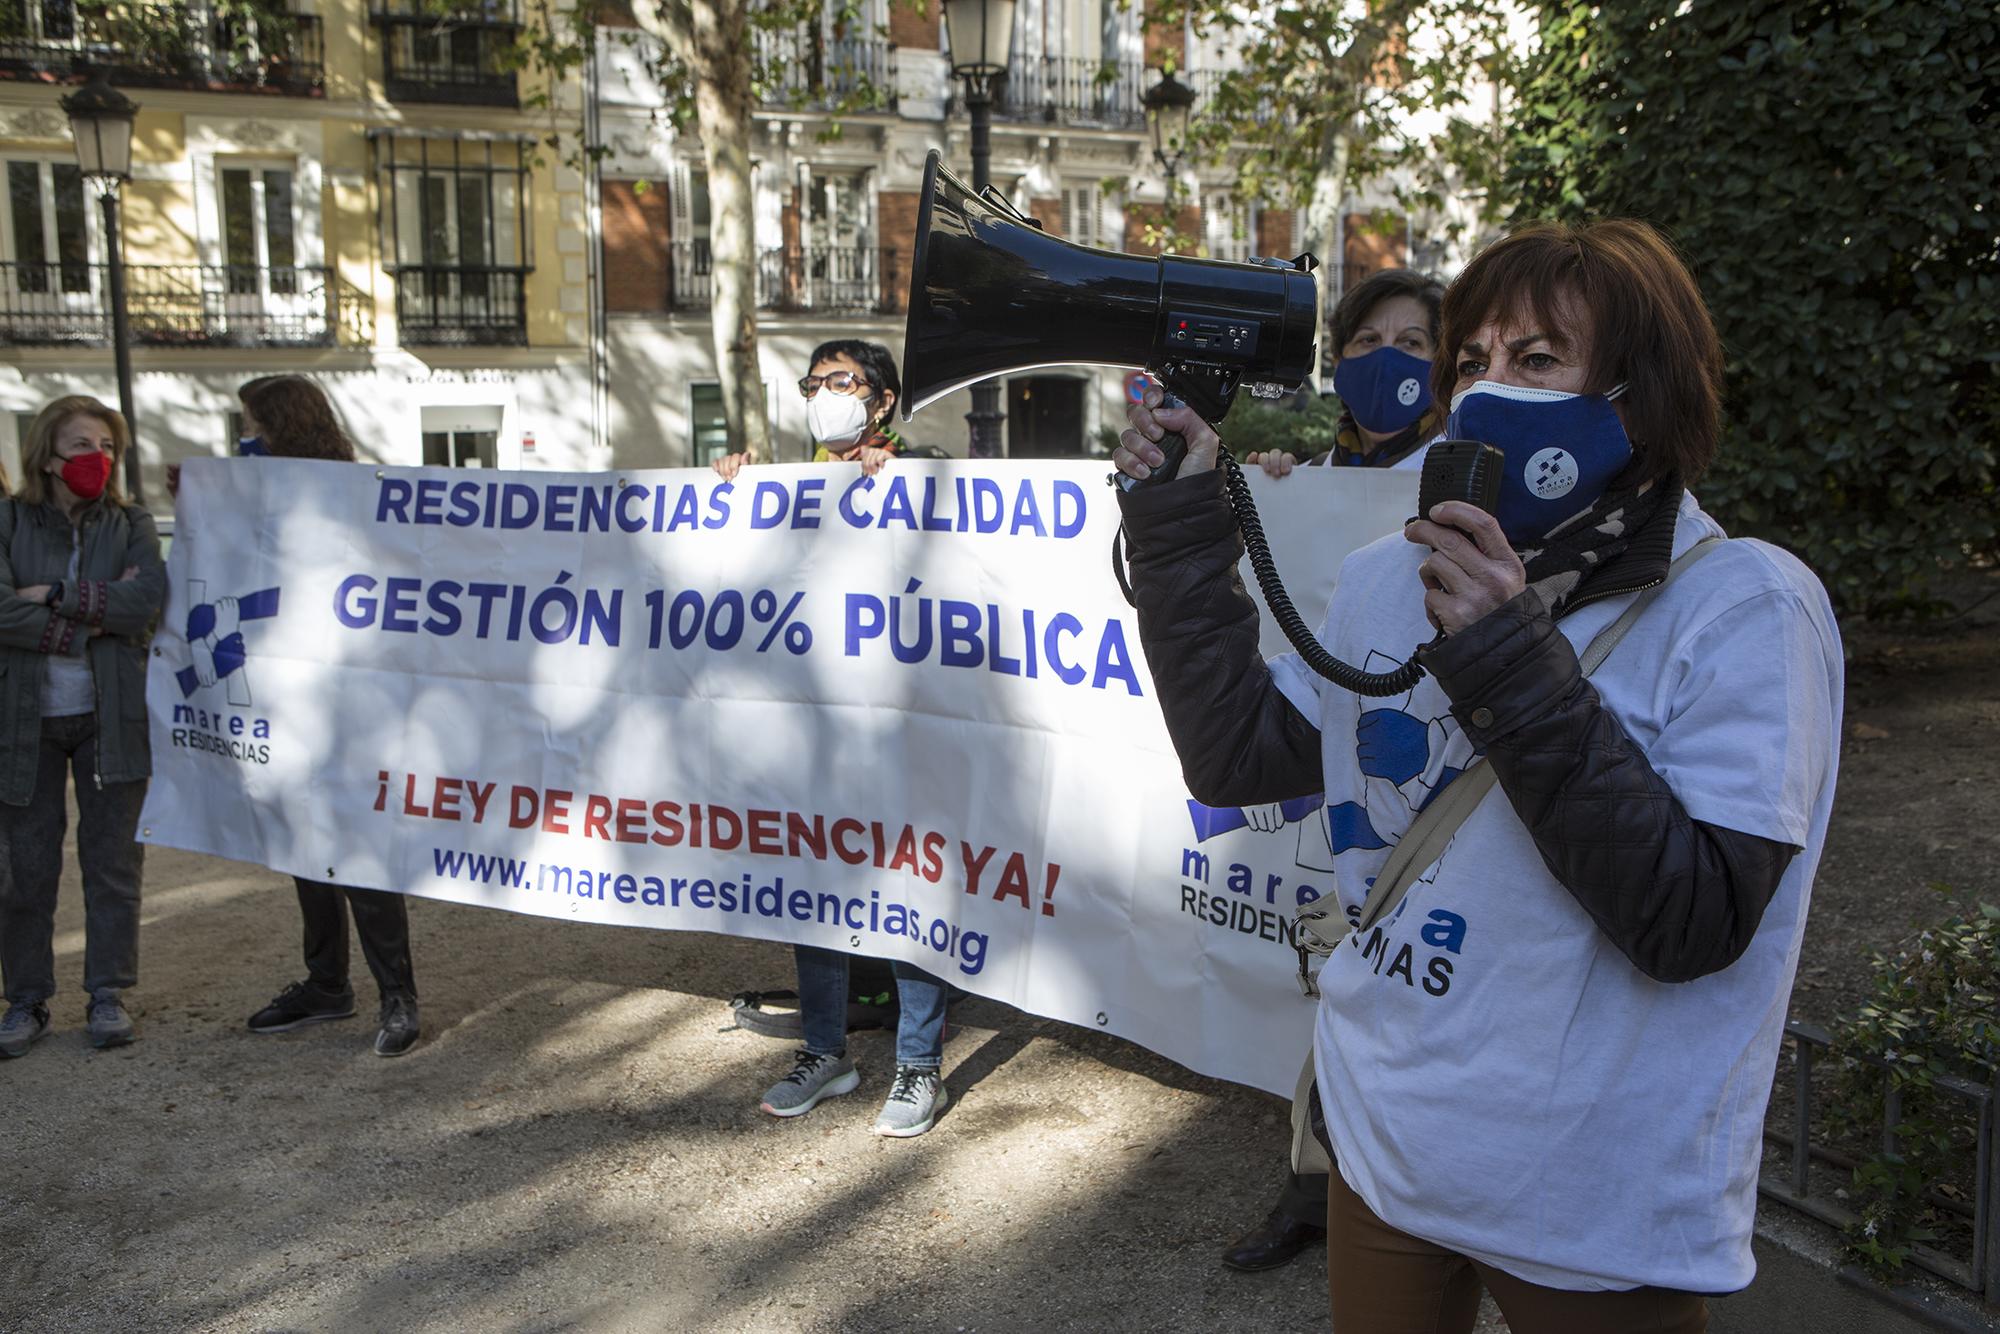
252,446
1562,451
1386,389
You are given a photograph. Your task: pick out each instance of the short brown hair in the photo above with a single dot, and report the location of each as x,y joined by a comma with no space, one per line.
1357,301
40,446
1649,328
297,417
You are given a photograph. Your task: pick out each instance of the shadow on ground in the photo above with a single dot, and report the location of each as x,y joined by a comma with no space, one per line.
576,1145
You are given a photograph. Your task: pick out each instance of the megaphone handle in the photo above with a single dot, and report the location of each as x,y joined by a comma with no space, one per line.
1173,446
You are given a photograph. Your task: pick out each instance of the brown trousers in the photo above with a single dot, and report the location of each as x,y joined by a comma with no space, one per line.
1388,1282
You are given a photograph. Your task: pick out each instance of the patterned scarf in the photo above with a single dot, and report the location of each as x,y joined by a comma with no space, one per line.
884,438
1587,543
1351,451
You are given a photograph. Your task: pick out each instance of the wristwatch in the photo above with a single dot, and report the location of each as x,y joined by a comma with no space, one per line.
54,599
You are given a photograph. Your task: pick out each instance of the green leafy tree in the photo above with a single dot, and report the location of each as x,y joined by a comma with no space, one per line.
1831,168
715,60
1326,97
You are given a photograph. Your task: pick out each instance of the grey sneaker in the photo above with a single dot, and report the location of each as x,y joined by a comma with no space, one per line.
914,1101
812,1078
23,1024
109,1025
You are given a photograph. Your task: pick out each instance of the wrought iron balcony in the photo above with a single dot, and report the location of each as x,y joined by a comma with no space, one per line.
459,56
1208,82
1068,91
260,47
808,69
461,305
57,303
833,279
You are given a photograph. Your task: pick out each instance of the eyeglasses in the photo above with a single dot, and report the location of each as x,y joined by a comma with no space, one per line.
840,382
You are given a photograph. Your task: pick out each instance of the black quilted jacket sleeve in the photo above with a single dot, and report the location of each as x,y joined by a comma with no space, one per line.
1241,742
1681,898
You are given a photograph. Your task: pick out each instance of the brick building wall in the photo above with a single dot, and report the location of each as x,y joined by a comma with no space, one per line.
919,32
1377,241
1140,216
1165,44
637,269
896,213
1274,233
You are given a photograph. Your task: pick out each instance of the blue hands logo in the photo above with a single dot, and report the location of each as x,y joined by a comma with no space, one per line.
216,641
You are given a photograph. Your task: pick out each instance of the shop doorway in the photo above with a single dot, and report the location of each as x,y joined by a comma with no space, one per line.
1045,417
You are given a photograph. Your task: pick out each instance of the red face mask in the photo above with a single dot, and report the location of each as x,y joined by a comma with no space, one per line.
87,474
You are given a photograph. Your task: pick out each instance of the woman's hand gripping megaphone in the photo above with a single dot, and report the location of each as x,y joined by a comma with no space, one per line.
1147,442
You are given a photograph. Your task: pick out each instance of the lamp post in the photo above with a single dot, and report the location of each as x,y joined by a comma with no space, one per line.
100,120
982,35
1169,107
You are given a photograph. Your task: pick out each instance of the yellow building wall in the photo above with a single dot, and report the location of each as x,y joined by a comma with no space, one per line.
159,222
162,216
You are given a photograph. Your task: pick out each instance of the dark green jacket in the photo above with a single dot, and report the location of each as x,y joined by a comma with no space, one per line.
35,543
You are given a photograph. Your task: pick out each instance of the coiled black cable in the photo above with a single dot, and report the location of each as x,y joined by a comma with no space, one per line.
1310,650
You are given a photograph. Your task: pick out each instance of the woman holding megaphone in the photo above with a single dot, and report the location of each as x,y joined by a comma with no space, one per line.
1543,1070
1386,327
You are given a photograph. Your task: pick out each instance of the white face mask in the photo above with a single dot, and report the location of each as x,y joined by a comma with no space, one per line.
837,419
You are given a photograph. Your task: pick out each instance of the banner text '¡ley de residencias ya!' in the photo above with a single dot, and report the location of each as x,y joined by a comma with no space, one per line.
951,632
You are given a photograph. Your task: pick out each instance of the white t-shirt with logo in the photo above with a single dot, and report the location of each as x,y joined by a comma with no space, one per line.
1497,1077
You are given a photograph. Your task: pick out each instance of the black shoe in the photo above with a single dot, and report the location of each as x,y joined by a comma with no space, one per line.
1276,1242
300,1004
399,1025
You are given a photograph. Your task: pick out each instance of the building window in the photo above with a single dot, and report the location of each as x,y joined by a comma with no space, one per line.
462,436
455,214
1227,226
708,425
48,228
204,45
837,269
1083,215
687,199
433,53
461,449
259,230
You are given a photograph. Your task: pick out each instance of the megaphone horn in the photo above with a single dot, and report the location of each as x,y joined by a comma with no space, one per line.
992,294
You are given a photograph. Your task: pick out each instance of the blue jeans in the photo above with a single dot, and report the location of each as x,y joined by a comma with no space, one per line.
823,1008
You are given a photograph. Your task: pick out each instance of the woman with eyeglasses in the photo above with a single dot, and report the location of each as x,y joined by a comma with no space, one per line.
850,395
850,392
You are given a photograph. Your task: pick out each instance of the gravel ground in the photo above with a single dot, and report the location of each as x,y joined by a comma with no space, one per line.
576,1145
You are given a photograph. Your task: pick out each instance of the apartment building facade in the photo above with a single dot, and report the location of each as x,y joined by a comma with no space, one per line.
345,188
357,190
836,200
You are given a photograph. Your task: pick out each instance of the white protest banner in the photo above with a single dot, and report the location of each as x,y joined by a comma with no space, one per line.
905,716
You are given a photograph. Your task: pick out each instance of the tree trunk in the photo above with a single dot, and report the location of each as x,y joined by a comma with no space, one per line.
720,64
1322,221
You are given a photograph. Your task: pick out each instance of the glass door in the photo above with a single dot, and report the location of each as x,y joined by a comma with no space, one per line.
50,240
262,286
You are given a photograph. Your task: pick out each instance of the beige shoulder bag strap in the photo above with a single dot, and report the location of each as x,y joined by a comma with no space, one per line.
1431,832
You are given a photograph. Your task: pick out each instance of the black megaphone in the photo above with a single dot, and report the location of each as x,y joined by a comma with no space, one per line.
991,293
